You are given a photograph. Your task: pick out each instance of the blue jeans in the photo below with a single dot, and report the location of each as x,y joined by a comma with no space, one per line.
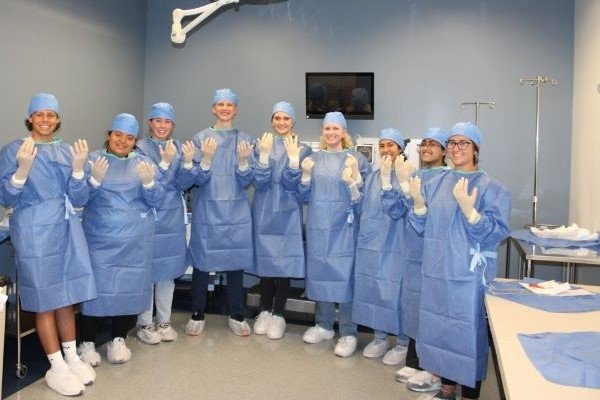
325,317
163,297
401,338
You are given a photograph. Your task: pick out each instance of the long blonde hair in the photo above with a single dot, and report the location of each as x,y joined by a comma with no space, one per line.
346,142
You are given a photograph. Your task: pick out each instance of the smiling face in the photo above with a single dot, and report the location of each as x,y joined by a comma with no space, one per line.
462,158
160,128
43,125
332,135
120,144
389,148
282,123
225,112
431,153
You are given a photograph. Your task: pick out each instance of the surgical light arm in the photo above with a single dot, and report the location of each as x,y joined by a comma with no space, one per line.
178,33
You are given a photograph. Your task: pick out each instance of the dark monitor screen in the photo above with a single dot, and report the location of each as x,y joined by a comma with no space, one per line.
348,92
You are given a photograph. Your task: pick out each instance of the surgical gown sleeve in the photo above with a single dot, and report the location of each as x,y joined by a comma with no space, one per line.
9,194
292,176
262,177
493,206
155,195
78,191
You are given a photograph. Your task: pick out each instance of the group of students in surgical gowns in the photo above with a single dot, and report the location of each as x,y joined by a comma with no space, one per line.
402,252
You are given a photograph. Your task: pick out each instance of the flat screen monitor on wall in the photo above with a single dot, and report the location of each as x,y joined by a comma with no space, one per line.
348,92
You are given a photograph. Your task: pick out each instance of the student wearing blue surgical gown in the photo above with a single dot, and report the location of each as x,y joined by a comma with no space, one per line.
170,248
221,227
277,219
379,268
463,214
118,222
43,179
432,153
330,185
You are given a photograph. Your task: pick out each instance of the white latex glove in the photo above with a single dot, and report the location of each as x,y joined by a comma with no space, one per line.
292,150
265,144
414,186
25,157
465,201
99,170
208,148
79,151
353,164
352,186
307,167
403,169
386,173
244,151
167,152
146,173
188,150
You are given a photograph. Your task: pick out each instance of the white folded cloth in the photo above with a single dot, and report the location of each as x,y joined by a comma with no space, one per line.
571,232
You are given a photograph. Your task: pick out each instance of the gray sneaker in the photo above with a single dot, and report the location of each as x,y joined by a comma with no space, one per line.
147,334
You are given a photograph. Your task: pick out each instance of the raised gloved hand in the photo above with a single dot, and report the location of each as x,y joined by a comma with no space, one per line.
352,162
208,148
25,157
265,144
146,173
167,152
403,169
79,152
385,171
293,151
99,169
465,201
351,183
307,167
188,150
414,189
244,151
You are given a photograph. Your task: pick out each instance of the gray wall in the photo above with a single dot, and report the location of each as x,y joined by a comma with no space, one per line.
427,56
89,53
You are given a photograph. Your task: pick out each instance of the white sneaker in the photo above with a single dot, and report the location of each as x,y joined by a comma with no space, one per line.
261,322
345,346
240,328
276,328
87,352
166,332
194,328
316,334
147,334
396,355
376,348
117,352
63,381
83,371
404,373
424,381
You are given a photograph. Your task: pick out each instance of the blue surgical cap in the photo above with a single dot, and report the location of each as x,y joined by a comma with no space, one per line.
467,129
43,101
392,134
285,107
335,117
162,110
125,123
224,95
437,134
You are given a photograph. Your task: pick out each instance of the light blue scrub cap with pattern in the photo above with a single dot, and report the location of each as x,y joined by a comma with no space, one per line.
284,106
43,101
335,117
224,94
125,123
162,110
467,129
437,134
392,134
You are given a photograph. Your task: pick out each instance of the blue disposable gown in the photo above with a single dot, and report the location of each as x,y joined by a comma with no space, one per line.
118,222
52,258
459,259
277,217
170,237
395,205
331,228
379,266
221,237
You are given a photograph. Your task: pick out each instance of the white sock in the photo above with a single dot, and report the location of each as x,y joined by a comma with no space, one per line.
70,350
56,360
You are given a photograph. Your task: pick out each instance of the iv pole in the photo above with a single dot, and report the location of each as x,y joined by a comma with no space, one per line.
490,104
538,81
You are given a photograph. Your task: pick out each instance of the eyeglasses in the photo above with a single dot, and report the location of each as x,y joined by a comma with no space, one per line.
462,144
428,143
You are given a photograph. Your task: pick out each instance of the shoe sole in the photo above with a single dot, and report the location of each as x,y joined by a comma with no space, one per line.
427,389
